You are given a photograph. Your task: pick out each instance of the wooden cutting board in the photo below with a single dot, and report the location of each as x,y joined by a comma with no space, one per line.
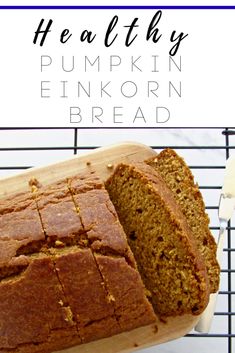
103,160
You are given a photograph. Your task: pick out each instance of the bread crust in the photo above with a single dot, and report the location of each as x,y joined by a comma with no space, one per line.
55,268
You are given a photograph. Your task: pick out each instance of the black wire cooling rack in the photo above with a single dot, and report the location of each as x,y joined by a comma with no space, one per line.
76,143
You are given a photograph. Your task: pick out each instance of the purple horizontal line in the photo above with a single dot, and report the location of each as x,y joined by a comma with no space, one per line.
117,7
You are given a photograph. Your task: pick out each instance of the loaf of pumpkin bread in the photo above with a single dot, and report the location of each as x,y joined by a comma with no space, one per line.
67,274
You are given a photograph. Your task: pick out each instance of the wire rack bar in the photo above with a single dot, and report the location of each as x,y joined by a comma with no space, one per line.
81,148
229,259
207,335
225,131
75,149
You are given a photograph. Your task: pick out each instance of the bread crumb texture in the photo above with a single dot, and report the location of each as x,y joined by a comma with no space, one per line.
179,179
170,264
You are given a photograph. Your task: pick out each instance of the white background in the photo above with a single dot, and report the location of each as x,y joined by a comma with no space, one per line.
207,74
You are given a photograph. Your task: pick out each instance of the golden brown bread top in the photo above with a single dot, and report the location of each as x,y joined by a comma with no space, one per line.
101,223
30,305
58,214
19,225
84,290
124,284
72,234
53,205
16,202
19,218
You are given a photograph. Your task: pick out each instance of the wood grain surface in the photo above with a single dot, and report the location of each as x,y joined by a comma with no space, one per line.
103,160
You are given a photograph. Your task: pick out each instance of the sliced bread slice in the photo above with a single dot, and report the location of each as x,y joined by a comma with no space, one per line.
168,260
180,181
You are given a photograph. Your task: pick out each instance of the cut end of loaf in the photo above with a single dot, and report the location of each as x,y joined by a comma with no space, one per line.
179,179
169,263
